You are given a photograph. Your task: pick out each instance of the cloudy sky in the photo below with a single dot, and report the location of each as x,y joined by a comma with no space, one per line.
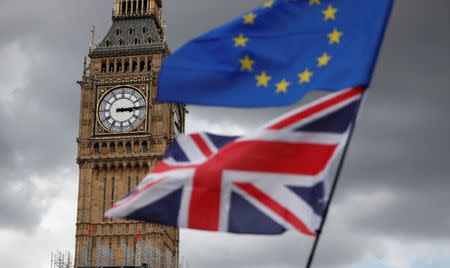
392,206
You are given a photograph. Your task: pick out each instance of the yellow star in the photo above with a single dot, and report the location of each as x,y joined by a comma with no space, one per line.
268,4
247,64
330,13
250,18
323,60
314,2
335,37
240,41
283,86
263,79
305,77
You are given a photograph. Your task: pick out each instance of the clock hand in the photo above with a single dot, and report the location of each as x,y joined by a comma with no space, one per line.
130,109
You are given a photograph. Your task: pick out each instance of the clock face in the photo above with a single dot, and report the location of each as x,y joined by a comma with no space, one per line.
122,109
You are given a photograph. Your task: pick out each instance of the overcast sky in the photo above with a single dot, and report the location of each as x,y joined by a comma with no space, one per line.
392,208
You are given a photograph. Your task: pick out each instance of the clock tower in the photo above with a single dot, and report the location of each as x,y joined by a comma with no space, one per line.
123,133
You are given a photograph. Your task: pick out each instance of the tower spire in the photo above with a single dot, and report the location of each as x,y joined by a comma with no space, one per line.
93,34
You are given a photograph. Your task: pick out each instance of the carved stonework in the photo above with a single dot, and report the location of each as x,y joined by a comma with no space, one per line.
113,162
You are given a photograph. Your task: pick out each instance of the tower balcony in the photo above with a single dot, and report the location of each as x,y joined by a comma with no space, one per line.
136,8
140,13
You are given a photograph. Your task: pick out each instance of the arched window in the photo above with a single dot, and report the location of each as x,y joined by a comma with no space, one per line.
142,65
129,7
149,64
140,6
103,66
131,31
124,7
119,65
136,146
118,31
134,66
96,148
149,40
112,199
121,43
144,30
107,43
104,146
111,66
145,5
127,66
128,146
134,6
112,147
136,41
120,147
145,146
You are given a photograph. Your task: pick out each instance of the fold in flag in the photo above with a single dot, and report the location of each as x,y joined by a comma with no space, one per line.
277,53
270,181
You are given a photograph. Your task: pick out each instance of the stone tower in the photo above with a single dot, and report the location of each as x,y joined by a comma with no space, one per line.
123,133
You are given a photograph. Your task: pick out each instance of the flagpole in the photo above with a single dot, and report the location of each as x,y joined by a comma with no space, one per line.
333,189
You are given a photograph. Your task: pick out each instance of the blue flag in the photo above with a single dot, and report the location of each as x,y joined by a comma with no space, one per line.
277,53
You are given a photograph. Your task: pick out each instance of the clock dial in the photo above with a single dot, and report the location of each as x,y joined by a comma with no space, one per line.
122,109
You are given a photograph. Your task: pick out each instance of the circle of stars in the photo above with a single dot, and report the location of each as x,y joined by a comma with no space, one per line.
263,79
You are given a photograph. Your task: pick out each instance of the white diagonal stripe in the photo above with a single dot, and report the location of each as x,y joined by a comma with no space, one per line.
190,148
294,137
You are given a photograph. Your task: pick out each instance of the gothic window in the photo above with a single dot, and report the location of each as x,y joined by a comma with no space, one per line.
131,31
118,31
119,65
128,147
129,7
149,64
127,66
112,191
142,65
104,146
136,146
140,6
97,148
149,40
111,66
134,66
104,196
144,30
134,6
104,66
112,147
136,41
145,5
124,7
120,147
107,43
121,43
145,146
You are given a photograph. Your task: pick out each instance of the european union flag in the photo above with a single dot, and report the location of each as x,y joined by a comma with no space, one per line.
277,53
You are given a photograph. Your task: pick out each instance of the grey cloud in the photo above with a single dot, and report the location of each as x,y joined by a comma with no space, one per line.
17,209
400,147
40,118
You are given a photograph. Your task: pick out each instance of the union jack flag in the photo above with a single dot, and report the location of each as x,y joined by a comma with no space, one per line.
270,181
